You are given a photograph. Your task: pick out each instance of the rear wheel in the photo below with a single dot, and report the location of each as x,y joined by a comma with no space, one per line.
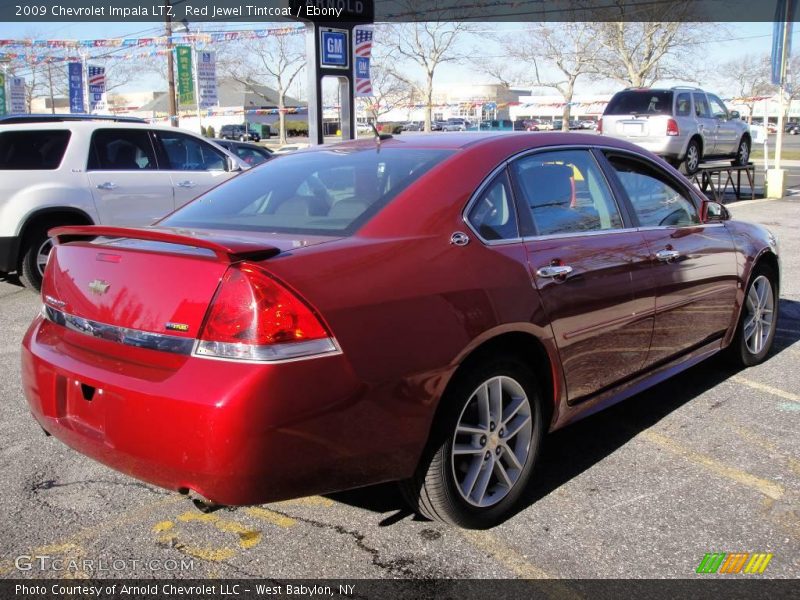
483,448
756,329
692,160
36,248
742,153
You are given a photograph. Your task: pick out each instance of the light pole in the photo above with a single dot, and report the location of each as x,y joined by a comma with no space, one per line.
173,109
5,60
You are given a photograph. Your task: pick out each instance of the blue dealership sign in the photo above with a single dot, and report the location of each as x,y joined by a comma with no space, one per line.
362,67
75,75
335,48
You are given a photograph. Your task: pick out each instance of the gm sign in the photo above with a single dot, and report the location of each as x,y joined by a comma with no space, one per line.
334,48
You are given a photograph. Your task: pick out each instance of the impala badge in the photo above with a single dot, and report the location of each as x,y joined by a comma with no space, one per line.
98,286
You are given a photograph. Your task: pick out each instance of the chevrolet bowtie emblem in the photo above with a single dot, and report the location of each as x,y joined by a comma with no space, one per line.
98,286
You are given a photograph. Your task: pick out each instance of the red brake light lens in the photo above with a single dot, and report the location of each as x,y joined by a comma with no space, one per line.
600,125
254,317
672,127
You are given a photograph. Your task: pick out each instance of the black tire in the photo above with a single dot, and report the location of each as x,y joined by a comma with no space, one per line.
691,162
743,352
742,153
434,490
29,268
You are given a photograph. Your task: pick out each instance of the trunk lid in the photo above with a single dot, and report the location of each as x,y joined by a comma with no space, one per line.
153,280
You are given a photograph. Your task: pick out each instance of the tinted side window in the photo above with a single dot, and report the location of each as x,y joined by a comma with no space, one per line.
121,150
683,105
493,216
565,192
701,105
185,153
32,150
656,202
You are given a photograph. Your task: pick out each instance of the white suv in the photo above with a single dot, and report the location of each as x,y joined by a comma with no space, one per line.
94,171
685,125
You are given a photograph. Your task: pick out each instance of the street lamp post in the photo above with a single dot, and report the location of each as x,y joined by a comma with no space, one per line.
173,109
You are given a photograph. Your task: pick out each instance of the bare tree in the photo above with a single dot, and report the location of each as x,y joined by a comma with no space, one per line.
387,91
275,61
657,41
751,75
426,45
551,55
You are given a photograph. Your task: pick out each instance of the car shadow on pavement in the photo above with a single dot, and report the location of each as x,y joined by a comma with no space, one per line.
11,279
568,452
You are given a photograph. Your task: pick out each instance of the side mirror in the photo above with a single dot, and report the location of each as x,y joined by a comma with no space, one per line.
734,114
231,165
714,212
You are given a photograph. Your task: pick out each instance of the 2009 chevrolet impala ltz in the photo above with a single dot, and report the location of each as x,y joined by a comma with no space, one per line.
420,310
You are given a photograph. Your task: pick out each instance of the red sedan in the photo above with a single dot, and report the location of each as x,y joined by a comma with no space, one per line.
419,310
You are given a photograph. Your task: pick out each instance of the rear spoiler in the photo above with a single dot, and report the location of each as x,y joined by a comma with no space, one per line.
227,249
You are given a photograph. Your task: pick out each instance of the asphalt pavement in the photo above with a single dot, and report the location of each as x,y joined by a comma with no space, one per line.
706,462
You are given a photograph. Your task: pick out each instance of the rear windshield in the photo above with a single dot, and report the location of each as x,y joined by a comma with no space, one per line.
329,193
32,150
640,102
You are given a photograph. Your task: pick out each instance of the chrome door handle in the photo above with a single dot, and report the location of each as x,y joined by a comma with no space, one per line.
667,255
108,185
554,271
186,184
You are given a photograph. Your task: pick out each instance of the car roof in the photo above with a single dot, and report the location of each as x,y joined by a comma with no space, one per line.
85,125
469,139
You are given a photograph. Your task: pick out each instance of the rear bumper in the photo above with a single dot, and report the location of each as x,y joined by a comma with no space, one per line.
234,433
668,147
9,253
672,147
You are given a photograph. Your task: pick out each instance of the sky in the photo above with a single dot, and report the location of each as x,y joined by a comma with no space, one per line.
735,40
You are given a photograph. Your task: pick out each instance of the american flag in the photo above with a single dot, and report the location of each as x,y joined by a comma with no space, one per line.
363,42
97,75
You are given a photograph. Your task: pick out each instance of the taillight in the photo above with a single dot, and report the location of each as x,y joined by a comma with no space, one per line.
253,317
672,127
600,125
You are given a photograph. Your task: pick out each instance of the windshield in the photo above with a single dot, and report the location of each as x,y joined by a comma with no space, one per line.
641,102
331,192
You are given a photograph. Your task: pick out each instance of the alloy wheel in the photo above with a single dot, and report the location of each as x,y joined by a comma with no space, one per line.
492,441
41,255
692,158
760,306
744,153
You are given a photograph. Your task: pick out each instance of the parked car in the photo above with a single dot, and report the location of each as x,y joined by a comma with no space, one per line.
289,148
242,133
312,325
438,125
792,128
455,124
588,124
683,125
494,125
526,125
69,172
252,154
414,126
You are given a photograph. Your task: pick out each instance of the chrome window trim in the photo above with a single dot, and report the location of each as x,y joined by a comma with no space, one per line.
185,346
602,147
574,234
474,198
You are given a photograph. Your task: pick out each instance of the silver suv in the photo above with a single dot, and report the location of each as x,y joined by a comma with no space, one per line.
684,125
